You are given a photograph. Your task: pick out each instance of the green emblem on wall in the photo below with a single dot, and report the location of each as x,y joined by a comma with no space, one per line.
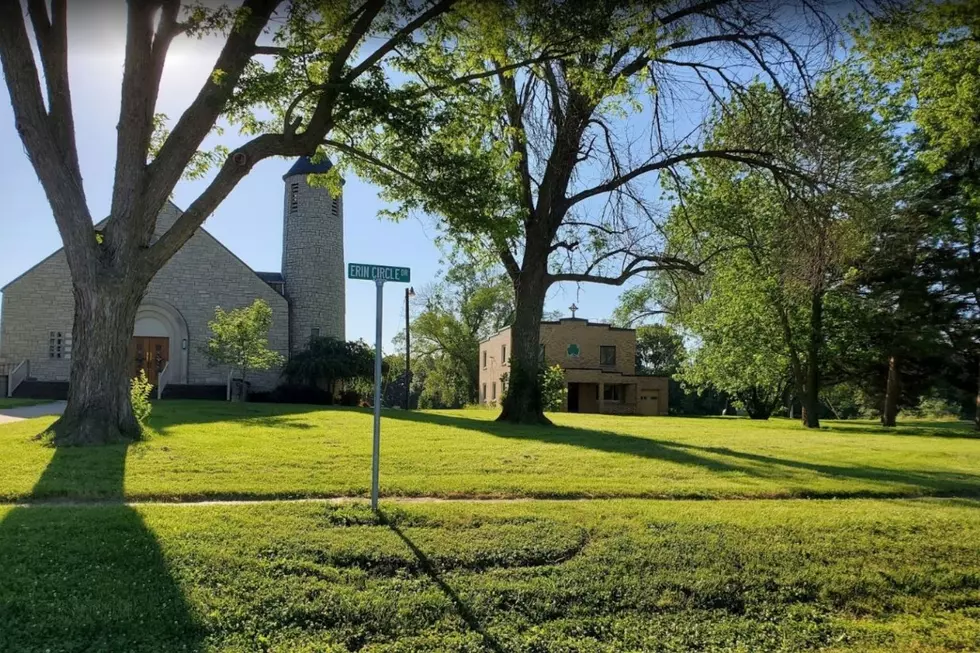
573,351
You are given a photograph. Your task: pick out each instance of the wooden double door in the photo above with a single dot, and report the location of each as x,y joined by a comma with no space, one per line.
149,354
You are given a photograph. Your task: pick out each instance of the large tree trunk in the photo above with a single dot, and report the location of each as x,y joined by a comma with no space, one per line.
976,415
811,398
892,391
523,404
99,409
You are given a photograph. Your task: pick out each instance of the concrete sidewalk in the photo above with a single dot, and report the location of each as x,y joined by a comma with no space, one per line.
8,415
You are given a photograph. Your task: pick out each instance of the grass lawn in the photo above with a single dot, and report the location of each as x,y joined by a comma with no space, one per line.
624,574
216,450
620,575
11,402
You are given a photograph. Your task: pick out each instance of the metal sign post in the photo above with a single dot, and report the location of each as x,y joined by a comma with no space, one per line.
379,274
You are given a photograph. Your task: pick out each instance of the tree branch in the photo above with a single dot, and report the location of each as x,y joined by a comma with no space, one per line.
199,118
660,264
135,127
271,50
238,164
61,185
739,156
435,10
52,44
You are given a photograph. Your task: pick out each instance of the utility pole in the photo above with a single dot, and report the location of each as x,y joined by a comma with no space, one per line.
409,292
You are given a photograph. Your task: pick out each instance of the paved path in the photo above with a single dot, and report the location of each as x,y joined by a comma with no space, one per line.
8,415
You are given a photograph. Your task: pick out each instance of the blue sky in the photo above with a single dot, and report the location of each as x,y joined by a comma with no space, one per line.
249,222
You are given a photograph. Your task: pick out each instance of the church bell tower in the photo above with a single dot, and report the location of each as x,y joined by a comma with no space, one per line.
312,256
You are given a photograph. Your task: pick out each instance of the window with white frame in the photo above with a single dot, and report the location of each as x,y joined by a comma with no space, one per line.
59,344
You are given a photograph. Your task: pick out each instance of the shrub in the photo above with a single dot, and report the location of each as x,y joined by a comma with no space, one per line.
553,388
325,361
139,396
298,394
933,406
350,398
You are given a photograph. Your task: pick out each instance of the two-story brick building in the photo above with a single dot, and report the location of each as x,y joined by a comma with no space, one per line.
599,362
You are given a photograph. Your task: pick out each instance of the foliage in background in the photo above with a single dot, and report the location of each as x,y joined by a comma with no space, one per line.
773,247
660,350
240,338
919,63
472,301
140,389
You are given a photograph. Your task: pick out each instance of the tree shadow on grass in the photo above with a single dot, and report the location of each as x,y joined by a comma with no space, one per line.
87,578
432,572
178,412
606,441
931,429
934,483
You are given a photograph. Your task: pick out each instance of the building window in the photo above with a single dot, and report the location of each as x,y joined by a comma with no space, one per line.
607,355
484,362
493,391
503,354
56,344
483,392
314,333
335,207
611,393
294,197
541,353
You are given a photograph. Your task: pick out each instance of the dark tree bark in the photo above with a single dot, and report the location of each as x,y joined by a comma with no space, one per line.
758,404
976,415
523,402
811,397
99,409
893,390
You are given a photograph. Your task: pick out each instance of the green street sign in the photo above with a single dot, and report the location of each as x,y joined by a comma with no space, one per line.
369,272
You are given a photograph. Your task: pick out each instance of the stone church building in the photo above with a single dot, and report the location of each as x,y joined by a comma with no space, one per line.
306,297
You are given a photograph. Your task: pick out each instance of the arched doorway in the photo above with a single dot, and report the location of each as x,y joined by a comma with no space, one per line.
159,342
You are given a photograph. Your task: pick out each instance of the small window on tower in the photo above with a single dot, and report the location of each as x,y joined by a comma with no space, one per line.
335,207
294,197
56,343
314,333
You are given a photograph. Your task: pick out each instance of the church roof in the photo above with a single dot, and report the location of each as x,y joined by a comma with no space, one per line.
270,277
304,166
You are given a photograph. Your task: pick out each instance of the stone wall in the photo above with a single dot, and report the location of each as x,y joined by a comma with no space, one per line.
313,261
494,363
589,337
200,277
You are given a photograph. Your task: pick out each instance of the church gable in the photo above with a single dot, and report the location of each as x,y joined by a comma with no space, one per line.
38,308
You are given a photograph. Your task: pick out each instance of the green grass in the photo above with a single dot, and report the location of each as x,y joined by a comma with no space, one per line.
11,402
216,450
621,575
625,574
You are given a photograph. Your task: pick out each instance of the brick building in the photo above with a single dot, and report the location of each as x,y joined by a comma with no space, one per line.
599,362
306,297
